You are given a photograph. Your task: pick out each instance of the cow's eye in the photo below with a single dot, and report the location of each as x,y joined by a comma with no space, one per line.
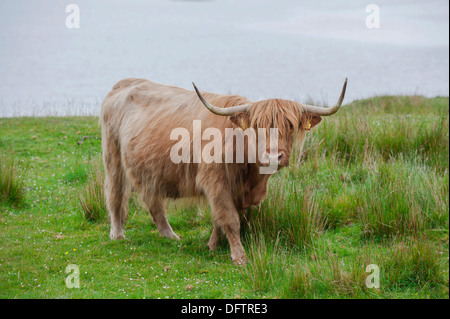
291,126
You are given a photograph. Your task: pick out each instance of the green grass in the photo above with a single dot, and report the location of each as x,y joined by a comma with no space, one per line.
371,188
12,175
92,199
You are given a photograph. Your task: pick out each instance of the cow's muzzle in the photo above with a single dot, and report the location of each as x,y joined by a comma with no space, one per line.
280,159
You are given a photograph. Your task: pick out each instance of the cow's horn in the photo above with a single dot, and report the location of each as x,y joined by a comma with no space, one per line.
324,111
228,111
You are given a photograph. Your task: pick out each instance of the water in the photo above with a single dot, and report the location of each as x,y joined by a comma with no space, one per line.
290,49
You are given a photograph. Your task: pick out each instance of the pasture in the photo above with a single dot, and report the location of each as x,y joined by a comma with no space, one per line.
371,188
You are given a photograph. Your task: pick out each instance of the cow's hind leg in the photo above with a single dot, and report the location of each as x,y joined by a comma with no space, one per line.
215,238
117,190
157,210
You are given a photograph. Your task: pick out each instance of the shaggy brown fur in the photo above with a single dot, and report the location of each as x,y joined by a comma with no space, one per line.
137,118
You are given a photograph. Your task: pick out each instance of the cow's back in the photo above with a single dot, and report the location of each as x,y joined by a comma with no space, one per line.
140,116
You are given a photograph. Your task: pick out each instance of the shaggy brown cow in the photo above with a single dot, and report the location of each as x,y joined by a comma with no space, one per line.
137,119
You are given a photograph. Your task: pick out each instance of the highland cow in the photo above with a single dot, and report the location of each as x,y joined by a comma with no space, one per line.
138,118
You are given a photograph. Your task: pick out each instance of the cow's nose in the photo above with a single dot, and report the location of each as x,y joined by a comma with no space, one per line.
283,160
279,159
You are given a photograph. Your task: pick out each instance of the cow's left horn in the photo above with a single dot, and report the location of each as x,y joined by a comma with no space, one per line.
324,111
228,111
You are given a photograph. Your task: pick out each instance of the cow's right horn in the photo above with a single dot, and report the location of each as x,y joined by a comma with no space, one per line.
228,111
324,111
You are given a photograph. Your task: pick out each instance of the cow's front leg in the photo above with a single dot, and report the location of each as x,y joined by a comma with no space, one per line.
227,218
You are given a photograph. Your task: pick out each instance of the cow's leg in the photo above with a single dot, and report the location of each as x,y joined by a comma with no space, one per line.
117,191
214,239
227,218
157,210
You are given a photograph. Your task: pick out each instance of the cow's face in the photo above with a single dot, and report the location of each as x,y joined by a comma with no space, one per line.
289,120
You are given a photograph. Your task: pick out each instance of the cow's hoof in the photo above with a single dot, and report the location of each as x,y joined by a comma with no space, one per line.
212,245
169,234
116,236
241,261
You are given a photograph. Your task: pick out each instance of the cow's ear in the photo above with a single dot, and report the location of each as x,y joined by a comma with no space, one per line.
241,120
309,120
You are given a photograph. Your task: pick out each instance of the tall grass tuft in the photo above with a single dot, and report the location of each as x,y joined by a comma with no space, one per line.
413,263
266,264
407,264
92,198
289,213
401,198
387,127
299,284
12,180
332,274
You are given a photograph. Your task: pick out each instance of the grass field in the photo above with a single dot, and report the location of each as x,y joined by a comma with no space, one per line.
371,188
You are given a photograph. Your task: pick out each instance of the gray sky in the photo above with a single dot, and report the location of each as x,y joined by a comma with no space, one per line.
291,49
